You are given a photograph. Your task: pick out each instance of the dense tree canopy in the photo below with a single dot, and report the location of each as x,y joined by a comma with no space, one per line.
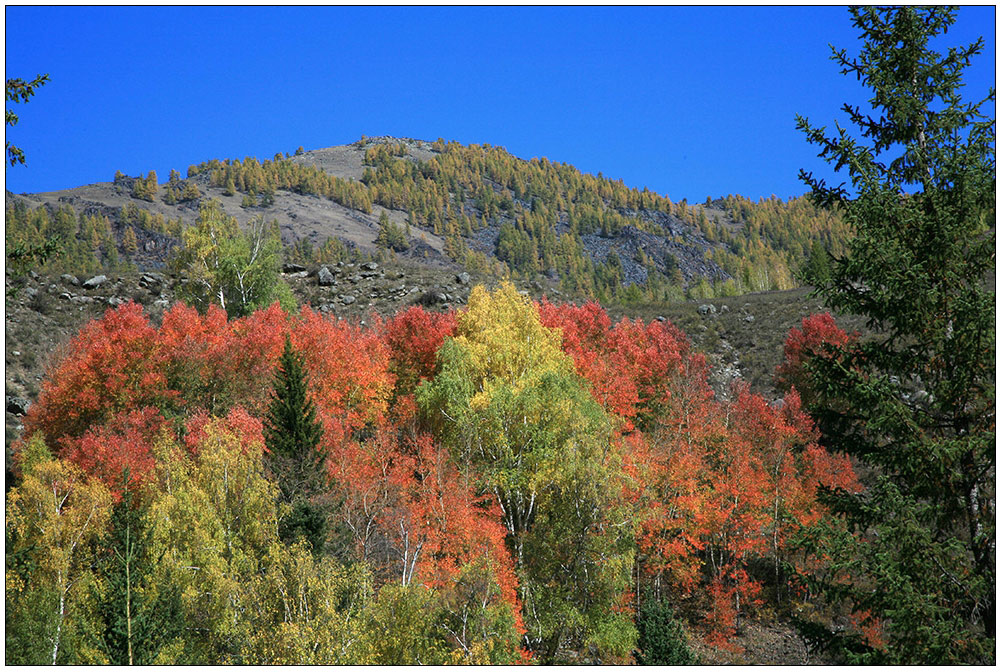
492,485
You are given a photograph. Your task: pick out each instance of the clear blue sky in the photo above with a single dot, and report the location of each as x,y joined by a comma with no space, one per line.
691,102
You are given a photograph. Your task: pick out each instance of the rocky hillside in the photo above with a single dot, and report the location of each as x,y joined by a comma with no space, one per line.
474,208
466,214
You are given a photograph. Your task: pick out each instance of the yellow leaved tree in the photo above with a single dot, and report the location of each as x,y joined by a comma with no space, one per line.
524,427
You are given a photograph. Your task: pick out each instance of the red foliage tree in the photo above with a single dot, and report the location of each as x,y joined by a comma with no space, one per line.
248,429
630,367
350,381
125,441
816,333
110,366
414,337
214,364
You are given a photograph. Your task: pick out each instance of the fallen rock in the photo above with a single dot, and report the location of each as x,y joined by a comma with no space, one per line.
293,268
347,299
707,309
17,405
324,277
370,266
463,278
68,279
150,280
94,282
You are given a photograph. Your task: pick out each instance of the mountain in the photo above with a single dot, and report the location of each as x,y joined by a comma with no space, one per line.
462,207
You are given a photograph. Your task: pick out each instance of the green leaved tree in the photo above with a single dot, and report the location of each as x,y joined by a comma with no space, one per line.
523,425
143,621
916,404
239,270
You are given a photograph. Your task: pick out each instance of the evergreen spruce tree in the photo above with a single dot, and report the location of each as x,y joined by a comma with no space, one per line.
292,434
916,404
661,639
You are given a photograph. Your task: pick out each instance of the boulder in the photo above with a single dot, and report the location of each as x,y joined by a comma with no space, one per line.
95,282
707,309
324,277
68,279
17,405
463,278
370,266
150,280
347,299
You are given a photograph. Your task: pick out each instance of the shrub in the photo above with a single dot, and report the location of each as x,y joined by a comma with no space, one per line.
661,636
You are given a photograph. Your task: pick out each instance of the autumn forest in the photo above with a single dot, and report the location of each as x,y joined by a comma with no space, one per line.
246,476
491,486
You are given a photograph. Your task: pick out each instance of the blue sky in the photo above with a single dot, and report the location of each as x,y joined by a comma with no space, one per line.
690,102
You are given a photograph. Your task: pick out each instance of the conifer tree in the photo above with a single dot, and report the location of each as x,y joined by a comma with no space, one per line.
916,404
661,639
292,435
190,191
129,242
